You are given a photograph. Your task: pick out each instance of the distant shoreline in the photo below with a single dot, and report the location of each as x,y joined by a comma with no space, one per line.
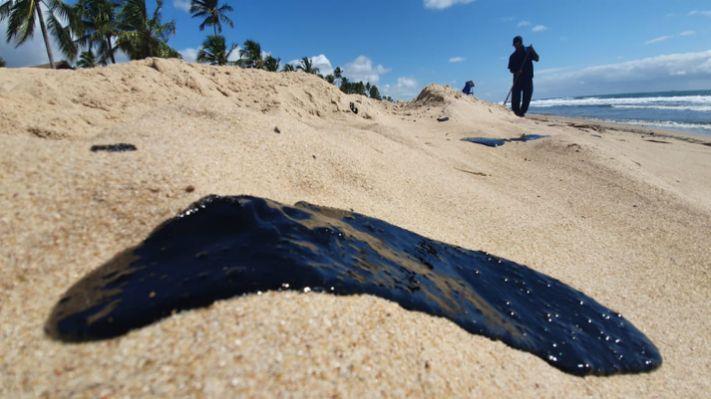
624,126
601,126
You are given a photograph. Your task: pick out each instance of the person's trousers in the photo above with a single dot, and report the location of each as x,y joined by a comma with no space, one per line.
521,96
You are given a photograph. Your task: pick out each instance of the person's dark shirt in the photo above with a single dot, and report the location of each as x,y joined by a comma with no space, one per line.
516,59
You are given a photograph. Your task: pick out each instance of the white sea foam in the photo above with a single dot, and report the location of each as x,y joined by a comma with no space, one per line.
696,108
616,101
706,127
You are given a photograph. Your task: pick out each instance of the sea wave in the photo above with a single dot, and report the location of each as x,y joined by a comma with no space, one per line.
695,108
666,124
697,100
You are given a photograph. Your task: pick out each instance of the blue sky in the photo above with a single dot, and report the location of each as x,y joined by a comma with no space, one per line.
586,47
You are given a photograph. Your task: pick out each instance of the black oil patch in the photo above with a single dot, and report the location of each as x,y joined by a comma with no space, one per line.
120,147
494,142
222,247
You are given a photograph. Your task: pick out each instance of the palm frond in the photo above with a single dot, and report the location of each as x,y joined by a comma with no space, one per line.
21,24
5,8
62,36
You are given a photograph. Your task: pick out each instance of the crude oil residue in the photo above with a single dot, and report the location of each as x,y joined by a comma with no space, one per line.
226,246
494,142
120,147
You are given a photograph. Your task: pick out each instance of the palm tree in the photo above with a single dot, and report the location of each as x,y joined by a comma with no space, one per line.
22,14
87,60
374,93
214,51
213,13
338,73
251,55
288,68
97,24
140,36
307,66
271,63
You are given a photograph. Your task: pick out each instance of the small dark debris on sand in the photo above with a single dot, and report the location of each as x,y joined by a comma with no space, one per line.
189,189
584,126
472,172
119,147
277,130
443,119
657,141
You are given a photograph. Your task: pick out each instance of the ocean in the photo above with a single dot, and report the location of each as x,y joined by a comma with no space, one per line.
687,111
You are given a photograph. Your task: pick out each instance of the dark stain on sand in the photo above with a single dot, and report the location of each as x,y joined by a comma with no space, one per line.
119,147
496,142
222,247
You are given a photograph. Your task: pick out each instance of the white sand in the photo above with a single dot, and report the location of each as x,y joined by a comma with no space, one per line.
624,219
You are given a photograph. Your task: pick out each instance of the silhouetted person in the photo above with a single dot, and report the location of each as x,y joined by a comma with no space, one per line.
469,88
521,66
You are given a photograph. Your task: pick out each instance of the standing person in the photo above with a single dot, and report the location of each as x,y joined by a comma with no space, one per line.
521,66
469,88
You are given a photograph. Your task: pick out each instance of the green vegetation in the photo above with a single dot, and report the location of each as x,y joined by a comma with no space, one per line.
251,55
271,63
95,30
86,60
96,25
2,63
142,36
214,51
213,14
22,15
306,65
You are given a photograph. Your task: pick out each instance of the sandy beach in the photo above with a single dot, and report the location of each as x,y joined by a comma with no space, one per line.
621,213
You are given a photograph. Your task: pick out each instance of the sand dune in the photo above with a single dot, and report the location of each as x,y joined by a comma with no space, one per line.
613,211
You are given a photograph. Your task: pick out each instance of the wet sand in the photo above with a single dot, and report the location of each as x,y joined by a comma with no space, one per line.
611,212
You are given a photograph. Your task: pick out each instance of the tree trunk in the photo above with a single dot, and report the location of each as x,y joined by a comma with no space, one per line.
45,35
111,50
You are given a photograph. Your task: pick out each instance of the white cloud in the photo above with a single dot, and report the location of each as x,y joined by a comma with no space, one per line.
183,5
523,24
456,60
404,88
442,4
539,28
658,39
323,64
702,13
189,54
664,38
319,61
681,71
362,69
234,56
